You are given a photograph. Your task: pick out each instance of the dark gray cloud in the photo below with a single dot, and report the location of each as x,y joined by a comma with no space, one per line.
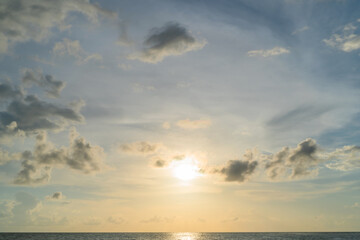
7,91
143,148
80,156
25,20
31,114
51,86
32,174
302,160
55,196
160,163
237,170
169,40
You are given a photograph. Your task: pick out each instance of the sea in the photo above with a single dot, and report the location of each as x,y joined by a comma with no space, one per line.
179,236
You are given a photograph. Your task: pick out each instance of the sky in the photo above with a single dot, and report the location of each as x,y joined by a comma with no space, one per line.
179,116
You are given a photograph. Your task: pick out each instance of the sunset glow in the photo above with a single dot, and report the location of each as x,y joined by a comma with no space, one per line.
186,169
179,116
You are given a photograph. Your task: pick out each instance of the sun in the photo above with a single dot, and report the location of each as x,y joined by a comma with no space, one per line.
186,169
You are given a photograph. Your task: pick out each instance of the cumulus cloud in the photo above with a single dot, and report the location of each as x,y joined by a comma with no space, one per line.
80,156
51,86
25,20
169,40
142,148
302,160
237,170
159,162
55,196
67,47
31,114
347,39
193,124
267,53
23,114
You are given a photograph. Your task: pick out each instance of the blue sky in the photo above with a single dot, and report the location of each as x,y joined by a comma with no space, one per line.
223,115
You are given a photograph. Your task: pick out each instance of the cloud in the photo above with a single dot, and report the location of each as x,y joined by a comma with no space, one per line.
169,40
51,86
26,20
157,219
31,114
159,162
347,39
6,209
296,117
267,53
80,156
345,159
7,91
142,148
25,207
123,35
193,124
237,170
166,125
25,114
137,87
300,30
74,49
7,157
355,205
92,221
302,160
115,220
55,196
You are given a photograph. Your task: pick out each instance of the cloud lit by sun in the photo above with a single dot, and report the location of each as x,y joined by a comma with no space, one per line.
186,169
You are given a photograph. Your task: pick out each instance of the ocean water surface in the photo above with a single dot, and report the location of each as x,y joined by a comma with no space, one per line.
177,236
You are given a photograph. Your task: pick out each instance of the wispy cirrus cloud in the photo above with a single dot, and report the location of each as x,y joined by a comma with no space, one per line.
193,124
72,48
268,52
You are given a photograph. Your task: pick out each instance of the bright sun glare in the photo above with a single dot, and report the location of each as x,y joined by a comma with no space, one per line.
186,169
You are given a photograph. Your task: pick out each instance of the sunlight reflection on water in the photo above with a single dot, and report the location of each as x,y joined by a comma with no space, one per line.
185,236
